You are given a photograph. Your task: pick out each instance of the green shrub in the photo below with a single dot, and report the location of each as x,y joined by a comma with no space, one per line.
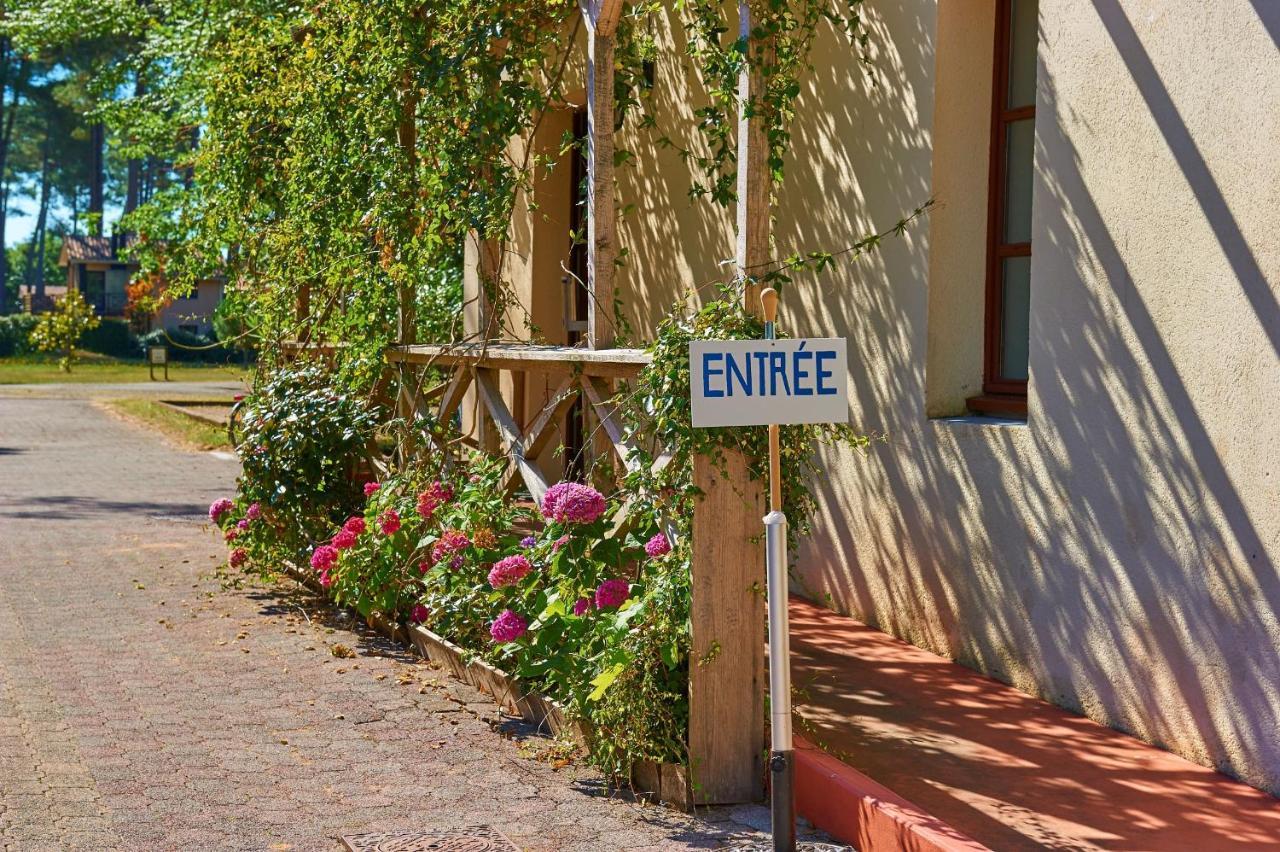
184,346
302,437
15,334
60,329
113,338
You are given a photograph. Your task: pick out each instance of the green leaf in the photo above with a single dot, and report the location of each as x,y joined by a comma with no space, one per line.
604,680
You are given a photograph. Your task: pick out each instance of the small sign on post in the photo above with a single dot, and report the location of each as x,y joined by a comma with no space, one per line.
772,382
763,382
158,356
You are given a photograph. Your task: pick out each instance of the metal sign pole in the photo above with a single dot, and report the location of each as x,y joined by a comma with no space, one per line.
782,768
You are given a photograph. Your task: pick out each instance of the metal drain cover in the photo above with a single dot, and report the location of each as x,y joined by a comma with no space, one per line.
478,838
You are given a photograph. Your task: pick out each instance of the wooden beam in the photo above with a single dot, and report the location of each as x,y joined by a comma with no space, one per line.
543,427
453,394
541,430
302,313
509,433
754,181
598,396
609,363
602,16
726,666
450,397
602,244
479,273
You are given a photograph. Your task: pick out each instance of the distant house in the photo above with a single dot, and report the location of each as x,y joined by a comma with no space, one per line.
95,268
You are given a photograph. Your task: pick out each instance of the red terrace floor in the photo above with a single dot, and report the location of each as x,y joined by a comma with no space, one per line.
1008,770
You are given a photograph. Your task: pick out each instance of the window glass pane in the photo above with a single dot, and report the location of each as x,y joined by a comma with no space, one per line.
95,286
1020,145
1015,319
1022,53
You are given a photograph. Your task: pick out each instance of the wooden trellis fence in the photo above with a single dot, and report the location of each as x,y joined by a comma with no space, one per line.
726,688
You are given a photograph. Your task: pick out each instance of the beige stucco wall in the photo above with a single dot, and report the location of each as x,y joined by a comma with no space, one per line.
1116,554
197,310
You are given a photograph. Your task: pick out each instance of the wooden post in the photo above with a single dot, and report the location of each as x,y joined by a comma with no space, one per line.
726,666
601,17
754,181
302,314
480,270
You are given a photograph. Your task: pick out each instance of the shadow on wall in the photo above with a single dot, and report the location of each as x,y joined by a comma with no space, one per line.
674,243
1103,557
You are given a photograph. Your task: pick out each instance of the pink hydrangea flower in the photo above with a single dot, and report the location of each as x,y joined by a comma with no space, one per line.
254,512
559,543
231,535
324,557
452,542
433,498
573,503
220,507
242,524
344,539
325,579
657,546
389,522
238,557
355,525
509,571
581,605
420,614
508,627
370,488
612,593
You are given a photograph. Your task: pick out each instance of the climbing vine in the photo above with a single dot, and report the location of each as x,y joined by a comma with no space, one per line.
777,48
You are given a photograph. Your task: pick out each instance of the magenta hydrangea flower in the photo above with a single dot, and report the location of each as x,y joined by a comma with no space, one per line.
370,488
325,579
612,593
657,546
254,512
218,508
509,571
355,525
238,557
452,542
433,498
344,539
324,557
581,605
528,541
573,503
242,524
508,627
420,614
389,522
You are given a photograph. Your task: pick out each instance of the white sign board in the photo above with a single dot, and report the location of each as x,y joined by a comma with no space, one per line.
758,382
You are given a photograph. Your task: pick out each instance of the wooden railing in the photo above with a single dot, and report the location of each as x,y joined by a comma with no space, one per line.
726,671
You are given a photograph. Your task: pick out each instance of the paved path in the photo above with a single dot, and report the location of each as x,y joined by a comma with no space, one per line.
218,389
144,707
